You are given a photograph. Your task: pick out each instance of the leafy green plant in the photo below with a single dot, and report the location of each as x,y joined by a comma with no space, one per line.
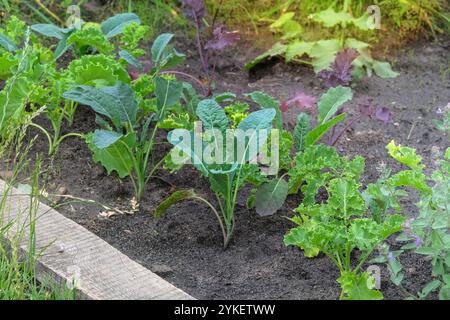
341,224
92,36
427,234
323,52
124,143
227,175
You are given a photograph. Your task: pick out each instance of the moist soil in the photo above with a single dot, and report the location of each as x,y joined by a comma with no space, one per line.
185,245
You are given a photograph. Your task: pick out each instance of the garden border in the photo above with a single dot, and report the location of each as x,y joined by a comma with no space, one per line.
75,255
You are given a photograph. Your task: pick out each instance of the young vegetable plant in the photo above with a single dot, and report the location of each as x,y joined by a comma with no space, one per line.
428,233
85,37
226,166
196,11
124,144
323,52
341,225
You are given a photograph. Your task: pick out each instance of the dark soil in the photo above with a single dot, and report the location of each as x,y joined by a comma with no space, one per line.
185,245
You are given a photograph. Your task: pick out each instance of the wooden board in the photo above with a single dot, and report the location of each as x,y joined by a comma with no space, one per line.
74,254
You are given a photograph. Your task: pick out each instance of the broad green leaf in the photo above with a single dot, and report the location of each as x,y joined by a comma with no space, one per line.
159,47
297,49
212,115
128,57
7,43
256,124
384,70
185,141
62,46
332,101
117,102
266,101
330,18
302,129
115,157
356,44
103,139
277,50
358,287
115,25
270,197
173,199
323,53
318,132
168,93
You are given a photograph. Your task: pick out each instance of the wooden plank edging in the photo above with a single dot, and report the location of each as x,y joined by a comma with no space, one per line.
100,272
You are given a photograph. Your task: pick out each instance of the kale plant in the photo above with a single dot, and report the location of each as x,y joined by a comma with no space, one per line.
130,118
342,224
225,163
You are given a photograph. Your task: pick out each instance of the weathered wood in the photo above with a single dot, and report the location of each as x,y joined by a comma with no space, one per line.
72,252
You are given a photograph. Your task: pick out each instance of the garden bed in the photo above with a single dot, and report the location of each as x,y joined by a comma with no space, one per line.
185,246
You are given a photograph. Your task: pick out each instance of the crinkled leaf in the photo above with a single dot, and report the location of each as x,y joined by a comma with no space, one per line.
359,287
302,129
115,157
168,93
212,115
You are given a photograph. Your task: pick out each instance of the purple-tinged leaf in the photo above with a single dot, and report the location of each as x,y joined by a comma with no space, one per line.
300,100
341,69
222,39
384,114
194,10
370,110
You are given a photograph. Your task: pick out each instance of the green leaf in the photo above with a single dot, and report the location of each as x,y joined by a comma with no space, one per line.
332,101
159,47
330,18
255,123
117,102
430,287
185,141
318,132
49,30
103,139
265,101
384,70
115,25
270,197
174,198
116,157
7,43
212,115
301,131
282,20
277,50
128,57
168,93
358,287
297,49
323,53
